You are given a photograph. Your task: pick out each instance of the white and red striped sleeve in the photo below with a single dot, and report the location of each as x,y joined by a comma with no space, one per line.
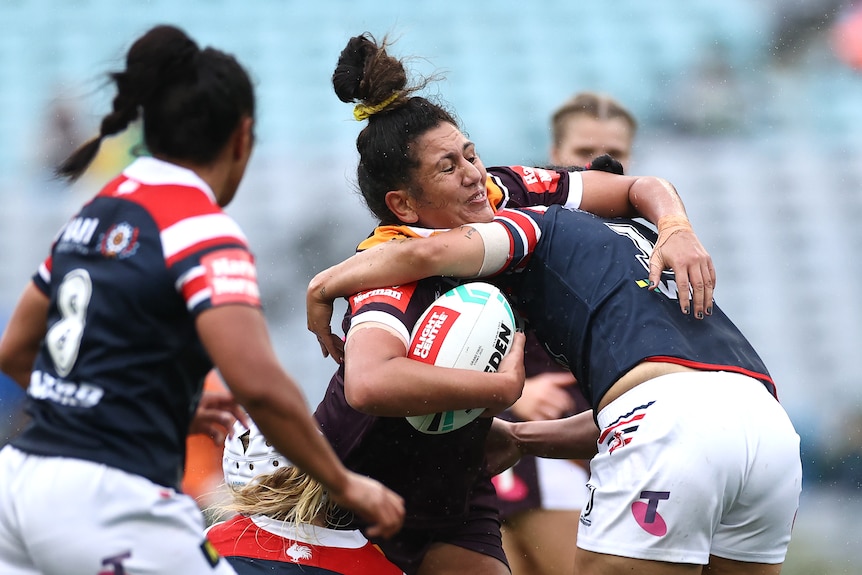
509,240
203,247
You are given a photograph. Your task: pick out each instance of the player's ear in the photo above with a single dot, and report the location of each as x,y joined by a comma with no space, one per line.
242,140
401,204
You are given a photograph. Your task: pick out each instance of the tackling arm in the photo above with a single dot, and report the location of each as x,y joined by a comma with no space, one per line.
572,437
392,263
677,247
23,335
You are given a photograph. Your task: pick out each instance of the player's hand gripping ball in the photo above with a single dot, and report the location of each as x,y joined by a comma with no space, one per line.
469,327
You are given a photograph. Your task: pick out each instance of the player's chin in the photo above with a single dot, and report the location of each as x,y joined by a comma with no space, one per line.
479,214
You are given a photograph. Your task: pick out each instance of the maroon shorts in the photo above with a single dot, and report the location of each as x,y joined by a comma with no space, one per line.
479,531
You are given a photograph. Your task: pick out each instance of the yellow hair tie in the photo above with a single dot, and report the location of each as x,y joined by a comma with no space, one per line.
361,111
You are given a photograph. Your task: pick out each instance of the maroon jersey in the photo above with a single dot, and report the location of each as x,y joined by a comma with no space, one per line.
434,473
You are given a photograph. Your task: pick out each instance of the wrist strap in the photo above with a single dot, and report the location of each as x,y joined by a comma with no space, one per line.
670,225
666,222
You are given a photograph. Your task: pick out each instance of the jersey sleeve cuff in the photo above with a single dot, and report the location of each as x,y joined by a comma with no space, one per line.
576,191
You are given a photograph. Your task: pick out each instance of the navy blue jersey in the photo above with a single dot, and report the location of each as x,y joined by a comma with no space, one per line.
581,282
121,368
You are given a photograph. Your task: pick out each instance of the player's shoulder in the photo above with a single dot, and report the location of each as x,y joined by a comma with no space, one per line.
514,186
535,179
230,529
170,193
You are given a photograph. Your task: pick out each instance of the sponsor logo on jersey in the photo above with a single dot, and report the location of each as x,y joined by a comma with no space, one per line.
537,180
69,393
388,292
646,514
430,337
120,241
231,276
75,237
396,296
79,230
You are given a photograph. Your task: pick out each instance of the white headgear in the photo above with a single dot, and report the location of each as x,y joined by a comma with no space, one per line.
248,454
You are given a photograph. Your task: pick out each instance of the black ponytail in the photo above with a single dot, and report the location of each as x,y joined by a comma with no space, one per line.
368,74
191,100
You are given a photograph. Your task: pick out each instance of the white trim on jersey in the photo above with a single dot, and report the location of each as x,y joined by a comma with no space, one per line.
44,273
312,534
380,317
184,234
198,297
155,172
189,275
576,191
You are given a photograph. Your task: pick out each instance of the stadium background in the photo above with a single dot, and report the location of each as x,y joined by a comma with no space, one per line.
752,108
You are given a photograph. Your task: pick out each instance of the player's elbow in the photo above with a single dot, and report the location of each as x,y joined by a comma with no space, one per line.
363,393
12,365
359,394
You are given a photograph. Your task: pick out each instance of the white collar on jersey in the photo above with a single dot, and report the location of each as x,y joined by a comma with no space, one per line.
311,534
152,171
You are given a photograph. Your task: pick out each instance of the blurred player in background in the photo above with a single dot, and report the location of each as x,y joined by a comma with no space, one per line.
147,286
540,499
284,521
589,125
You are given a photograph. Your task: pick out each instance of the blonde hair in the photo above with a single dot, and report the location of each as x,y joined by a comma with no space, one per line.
593,105
287,495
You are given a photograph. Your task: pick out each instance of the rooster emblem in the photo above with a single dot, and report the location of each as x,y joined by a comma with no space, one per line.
297,552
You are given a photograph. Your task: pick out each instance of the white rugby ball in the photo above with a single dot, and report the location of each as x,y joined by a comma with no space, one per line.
469,327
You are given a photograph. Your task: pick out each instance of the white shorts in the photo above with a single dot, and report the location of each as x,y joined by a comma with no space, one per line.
692,464
61,516
562,483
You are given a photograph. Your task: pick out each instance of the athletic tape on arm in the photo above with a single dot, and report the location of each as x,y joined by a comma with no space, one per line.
496,241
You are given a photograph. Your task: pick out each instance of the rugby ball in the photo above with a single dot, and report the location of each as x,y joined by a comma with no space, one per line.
469,327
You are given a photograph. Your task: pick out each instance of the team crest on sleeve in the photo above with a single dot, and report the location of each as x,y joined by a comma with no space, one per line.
120,241
231,277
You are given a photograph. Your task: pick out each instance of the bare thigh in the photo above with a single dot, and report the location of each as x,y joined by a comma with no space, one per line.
588,562
719,566
447,559
541,542
591,563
